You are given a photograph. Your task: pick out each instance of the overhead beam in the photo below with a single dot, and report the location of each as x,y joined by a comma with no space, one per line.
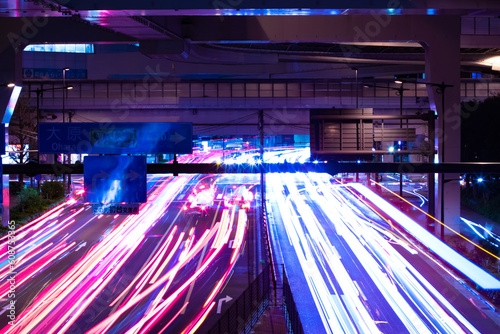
324,29
277,4
33,168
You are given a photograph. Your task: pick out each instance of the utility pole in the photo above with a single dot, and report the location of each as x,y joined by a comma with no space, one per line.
262,182
399,92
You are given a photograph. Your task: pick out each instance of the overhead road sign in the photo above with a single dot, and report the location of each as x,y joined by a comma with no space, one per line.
116,209
115,179
115,138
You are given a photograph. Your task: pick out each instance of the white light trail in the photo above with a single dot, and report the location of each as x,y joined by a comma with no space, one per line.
317,219
466,267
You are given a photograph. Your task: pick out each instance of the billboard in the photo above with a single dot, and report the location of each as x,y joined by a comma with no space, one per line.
115,179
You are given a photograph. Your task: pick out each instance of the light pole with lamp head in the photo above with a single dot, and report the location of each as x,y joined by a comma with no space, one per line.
64,93
399,92
357,90
66,158
39,92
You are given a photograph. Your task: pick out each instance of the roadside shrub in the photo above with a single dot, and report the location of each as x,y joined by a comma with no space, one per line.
30,201
52,190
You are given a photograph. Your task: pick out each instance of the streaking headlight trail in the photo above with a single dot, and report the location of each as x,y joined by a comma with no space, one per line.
131,274
357,279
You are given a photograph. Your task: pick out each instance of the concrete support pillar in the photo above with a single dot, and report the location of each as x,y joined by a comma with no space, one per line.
442,66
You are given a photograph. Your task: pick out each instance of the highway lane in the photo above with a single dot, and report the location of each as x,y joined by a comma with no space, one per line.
359,272
166,270
125,273
70,226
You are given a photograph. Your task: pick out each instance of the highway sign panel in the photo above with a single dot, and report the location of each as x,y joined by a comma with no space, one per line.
115,138
115,209
115,179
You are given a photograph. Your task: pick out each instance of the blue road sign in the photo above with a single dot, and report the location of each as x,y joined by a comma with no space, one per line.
115,209
115,138
115,179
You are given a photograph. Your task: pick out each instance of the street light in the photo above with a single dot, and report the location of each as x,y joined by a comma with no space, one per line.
65,157
39,92
357,90
399,92
64,85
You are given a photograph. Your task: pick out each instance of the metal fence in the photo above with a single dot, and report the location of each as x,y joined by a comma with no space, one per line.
291,314
244,313
269,251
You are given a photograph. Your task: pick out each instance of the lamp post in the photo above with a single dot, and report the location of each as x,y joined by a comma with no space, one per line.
63,98
39,92
65,157
399,92
357,90
71,113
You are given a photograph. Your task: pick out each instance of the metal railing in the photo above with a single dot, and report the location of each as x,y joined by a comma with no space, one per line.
117,95
293,322
269,251
244,313
480,25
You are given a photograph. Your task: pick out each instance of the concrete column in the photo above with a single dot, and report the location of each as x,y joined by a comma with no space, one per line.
442,65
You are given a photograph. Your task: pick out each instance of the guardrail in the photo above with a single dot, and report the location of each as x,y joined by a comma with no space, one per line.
244,313
293,322
33,168
105,92
270,255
